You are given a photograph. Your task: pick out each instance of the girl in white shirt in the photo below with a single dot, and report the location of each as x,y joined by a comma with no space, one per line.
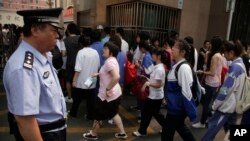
156,94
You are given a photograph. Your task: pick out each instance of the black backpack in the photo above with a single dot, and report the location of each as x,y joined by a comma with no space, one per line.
196,87
57,60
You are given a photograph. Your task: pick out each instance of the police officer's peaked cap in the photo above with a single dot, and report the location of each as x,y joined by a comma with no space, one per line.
41,16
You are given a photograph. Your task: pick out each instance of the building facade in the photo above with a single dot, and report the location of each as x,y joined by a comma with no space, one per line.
201,19
14,5
8,9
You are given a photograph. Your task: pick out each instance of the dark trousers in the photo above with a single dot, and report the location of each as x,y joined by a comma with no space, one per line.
78,95
48,136
246,117
151,109
176,123
205,101
55,136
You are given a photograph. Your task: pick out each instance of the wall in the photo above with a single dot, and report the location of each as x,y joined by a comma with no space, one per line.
170,3
218,19
194,17
194,20
10,17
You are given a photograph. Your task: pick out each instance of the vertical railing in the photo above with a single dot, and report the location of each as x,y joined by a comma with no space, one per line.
143,16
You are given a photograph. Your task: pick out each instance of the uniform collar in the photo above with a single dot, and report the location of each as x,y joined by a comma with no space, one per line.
158,65
41,58
238,60
182,60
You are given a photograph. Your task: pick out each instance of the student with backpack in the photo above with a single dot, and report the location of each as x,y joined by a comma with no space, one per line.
180,102
229,93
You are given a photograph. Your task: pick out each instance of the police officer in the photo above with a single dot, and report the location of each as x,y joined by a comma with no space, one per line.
35,99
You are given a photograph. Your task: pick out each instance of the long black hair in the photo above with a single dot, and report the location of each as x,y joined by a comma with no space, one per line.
185,46
191,58
216,47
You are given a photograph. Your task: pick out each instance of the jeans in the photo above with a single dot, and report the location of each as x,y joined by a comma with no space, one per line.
176,123
205,101
217,121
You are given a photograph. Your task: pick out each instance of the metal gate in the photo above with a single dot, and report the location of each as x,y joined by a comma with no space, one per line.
241,21
139,16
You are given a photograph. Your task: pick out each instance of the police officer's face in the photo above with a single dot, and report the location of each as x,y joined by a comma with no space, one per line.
48,37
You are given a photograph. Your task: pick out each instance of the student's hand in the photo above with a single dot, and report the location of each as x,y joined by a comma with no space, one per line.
94,74
146,84
108,93
199,72
74,84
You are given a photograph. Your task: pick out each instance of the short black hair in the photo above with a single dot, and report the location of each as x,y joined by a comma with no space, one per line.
107,30
73,29
87,31
206,42
189,39
169,41
144,44
27,28
120,31
236,48
161,52
95,35
84,40
155,39
173,34
116,40
113,48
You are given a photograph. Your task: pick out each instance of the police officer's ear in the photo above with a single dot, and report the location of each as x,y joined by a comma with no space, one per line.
37,28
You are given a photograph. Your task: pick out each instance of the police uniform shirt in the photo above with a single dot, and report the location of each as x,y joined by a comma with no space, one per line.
32,86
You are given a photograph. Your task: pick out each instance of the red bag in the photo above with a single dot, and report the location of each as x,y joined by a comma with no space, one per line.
130,72
136,90
223,73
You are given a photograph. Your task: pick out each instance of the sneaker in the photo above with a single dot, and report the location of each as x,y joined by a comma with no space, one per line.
89,136
111,122
137,134
198,125
139,121
68,99
160,132
121,136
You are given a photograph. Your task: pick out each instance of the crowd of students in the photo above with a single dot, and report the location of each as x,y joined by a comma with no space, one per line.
94,69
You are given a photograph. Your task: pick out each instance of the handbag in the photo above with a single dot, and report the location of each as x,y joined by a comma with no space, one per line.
136,90
130,72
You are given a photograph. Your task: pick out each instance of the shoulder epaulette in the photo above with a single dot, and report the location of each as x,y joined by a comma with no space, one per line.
28,60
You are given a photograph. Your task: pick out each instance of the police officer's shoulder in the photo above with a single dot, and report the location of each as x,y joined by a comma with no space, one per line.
28,60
